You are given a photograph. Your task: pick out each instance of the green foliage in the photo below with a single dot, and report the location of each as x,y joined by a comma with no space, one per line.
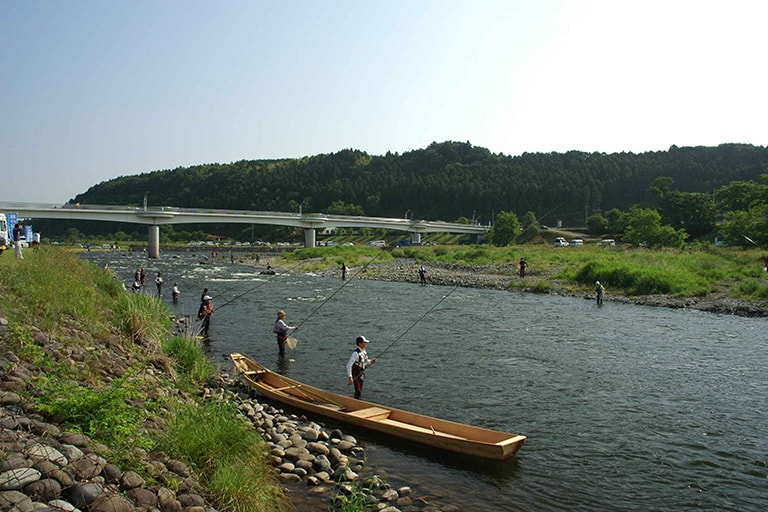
191,363
443,181
52,287
753,289
228,453
598,225
644,228
741,226
505,230
342,208
143,318
647,277
106,415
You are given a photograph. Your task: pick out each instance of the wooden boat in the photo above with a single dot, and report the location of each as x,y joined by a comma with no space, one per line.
435,432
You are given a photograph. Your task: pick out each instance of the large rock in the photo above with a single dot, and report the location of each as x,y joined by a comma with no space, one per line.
44,490
18,478
81,495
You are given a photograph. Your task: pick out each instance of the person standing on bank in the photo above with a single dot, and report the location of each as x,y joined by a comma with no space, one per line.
357,364
281,329
18,232
522,266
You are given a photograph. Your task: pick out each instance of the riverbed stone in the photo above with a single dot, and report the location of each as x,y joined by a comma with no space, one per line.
112,503
144,498
81,495
15,500
87,467
39,452
15,479
131,480
45,489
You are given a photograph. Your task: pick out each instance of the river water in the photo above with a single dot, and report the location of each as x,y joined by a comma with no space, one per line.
625,407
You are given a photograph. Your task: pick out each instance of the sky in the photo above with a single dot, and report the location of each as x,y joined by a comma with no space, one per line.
92,90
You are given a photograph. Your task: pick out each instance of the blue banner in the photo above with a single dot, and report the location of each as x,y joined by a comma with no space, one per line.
12,219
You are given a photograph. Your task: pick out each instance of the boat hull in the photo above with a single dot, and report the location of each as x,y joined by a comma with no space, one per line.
434,432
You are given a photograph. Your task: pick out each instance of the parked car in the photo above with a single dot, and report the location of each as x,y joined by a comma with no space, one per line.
577,242
561,242
608,242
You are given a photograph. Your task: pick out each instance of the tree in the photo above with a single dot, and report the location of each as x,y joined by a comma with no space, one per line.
644,228
342,208
693,211
505,230
530,226
597,224
740,224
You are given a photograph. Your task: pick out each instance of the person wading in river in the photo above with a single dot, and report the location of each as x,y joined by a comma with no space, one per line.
357,364
281,329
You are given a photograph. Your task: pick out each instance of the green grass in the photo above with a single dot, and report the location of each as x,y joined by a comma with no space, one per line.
50,291
228,452
630,271
81,306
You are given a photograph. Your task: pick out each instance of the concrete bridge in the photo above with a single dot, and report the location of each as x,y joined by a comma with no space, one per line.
156,216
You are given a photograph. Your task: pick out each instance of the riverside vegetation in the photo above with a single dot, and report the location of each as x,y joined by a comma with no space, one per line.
723,280
90,373
86,355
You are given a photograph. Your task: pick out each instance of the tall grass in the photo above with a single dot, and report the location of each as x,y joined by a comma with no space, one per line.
143,318
51,287
193,368
228,452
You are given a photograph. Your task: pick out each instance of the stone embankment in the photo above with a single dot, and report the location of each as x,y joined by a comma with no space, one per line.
45,467
328,462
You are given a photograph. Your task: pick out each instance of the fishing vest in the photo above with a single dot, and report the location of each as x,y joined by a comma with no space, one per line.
361,364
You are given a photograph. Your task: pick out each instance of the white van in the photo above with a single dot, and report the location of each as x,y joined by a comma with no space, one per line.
577,242
561,242
3,233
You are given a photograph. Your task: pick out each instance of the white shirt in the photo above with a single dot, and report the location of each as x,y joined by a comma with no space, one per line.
357,356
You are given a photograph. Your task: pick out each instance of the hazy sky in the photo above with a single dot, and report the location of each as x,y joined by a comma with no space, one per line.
95,89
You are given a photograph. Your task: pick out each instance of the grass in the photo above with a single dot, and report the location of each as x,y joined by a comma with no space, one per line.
82,306
228,452
700,271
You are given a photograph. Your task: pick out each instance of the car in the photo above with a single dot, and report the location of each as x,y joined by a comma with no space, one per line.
577,242
376,243
561,242
608,242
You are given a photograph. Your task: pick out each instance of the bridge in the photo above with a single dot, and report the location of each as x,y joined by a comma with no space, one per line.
155,216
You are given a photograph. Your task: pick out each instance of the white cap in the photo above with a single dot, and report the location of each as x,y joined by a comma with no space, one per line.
362,339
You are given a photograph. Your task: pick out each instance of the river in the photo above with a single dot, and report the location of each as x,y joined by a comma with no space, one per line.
625,407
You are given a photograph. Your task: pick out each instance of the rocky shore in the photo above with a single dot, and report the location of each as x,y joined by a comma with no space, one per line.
504,277
45,467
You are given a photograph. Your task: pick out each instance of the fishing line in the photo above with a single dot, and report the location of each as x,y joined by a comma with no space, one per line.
418,320
362,269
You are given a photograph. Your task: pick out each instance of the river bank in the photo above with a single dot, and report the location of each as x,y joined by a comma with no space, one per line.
504,277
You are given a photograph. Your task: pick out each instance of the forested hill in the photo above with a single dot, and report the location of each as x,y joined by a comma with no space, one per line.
445,181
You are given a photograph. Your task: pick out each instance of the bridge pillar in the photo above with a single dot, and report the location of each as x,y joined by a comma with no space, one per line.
415,238
154,242
309,238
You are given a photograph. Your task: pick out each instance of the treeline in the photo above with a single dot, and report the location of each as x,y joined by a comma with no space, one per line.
446,181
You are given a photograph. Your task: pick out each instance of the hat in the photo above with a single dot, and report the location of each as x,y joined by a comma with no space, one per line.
362,339
207,297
